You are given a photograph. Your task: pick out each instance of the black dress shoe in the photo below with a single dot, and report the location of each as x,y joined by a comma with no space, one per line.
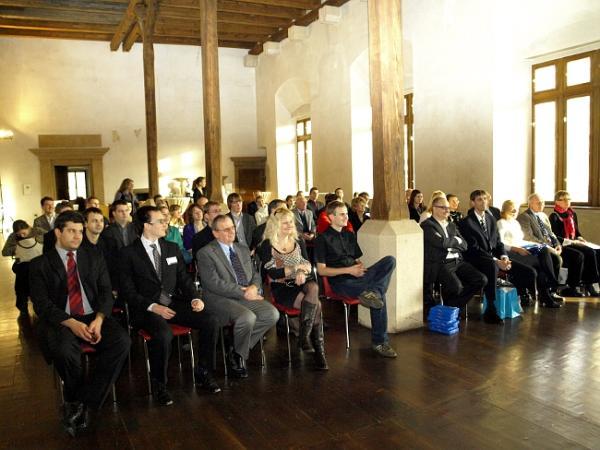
591,290
160,394
548,302
557,298
570,292
237,365
205,380
493,319
72,414
526,299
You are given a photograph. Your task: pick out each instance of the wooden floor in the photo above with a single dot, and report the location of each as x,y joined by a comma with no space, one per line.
534,383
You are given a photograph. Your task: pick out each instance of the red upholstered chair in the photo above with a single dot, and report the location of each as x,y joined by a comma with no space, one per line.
346,301
287,313
178,331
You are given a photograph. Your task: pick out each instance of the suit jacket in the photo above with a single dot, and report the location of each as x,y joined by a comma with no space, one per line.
42,223
114,233
249,226
315,207
531,228
202,238
437,245
479,244
217,275
48,283
103,247
310,220
257,235
139,283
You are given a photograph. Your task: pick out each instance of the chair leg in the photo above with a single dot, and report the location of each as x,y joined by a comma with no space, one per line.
179,352
192,357
114,394
263,359
287,330
222,337
346,317
147,367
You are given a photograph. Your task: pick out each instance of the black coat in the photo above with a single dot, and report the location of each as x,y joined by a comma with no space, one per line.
437,245
480,245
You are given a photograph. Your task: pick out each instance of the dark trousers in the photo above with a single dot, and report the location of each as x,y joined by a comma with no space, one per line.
524,277
591,263
460,282
159,347
111,353
573,260
21,271
487,266
377,278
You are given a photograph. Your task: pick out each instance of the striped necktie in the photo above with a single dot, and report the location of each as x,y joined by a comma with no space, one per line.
240,275
74,288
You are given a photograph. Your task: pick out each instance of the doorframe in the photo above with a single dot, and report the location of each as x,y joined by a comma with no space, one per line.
248,162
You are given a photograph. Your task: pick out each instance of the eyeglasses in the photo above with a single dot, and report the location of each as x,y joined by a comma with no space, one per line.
228,229
445,208
159,221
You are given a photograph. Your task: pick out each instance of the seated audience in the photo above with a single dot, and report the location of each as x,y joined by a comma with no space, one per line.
45,222
313,203
94,202
173,235
259,232
233,291
357,214
194,218
284,258
200,239
304,220
159,201
176,217
323,220
201,201
71,294
50,238
455,215
262,211
495,211
338,257
367,198
253,205
444,263
155,284
289,201
244,223
565,226
24,244
538,258
415,205
427,213
125,193
94,239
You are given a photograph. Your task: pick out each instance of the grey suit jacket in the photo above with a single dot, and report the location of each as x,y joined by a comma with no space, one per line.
216,273
249,224
42,223
310,219
531,228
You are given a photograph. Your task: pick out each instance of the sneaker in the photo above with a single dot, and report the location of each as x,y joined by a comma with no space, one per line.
385,350
370,299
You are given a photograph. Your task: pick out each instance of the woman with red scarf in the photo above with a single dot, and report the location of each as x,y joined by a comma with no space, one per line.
565,227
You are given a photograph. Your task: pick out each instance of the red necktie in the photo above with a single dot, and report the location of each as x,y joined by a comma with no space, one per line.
75,300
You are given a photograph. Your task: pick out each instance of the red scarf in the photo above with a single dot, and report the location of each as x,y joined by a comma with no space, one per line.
568,222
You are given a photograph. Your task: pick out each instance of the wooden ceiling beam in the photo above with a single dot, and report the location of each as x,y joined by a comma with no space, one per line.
251,19
77,35
58,26
194,27
236,6
125,27
69,5
305,20
298,4
60,15
135,35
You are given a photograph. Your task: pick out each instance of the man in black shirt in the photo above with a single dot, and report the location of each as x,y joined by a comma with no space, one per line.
337,254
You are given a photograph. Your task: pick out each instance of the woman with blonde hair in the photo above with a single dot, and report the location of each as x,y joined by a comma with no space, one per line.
176,217
125,192
429,211
284,259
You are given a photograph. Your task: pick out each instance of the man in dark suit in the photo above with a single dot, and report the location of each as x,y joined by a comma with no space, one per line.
211,210
313,204
117,235
485,249
244,223
159,291
304,219
233,290
93,239
444,262
50,238
71,294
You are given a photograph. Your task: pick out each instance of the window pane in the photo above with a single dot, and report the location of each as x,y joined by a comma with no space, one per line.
405,169
72,185
545,149
81,185
308,127
545,78
578,71
578,148
309,164
300,129
301,167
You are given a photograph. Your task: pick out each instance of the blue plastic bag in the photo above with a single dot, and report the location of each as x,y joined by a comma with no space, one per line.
507,303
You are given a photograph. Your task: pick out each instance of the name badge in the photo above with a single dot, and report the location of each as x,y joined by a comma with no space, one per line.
172,260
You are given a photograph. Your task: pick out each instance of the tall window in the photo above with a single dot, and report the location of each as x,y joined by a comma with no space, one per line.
566,127
77,180
409,152
304,154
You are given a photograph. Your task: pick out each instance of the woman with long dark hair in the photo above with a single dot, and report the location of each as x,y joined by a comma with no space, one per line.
415,205
125,192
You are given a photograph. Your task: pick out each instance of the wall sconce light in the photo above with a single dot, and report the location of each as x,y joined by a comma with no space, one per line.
6,135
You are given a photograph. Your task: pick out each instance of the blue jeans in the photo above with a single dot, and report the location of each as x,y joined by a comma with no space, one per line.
377,278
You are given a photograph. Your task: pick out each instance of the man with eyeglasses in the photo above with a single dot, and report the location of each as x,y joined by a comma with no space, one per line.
233,291
155,283
444,262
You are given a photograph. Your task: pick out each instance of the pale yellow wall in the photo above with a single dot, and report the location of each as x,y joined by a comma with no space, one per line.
72,87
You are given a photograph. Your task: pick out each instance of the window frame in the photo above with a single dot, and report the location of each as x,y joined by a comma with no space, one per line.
560,95
303,138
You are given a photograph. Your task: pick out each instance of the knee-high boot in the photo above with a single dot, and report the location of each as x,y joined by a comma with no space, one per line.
307,319
318,341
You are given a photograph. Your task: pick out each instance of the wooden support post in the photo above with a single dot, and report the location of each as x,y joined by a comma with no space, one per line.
210,92
146,17
387,100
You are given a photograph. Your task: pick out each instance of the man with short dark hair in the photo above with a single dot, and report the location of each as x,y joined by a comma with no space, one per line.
50,238
46,220
71,294
205,235
244,223
313,203
304,219
94,239
338,257
453,202
156,285
233,291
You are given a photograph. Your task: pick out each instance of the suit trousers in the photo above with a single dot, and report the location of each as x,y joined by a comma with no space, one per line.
251,320
460,282
544,271
65,351
573,260
591,263
159,347
377,278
